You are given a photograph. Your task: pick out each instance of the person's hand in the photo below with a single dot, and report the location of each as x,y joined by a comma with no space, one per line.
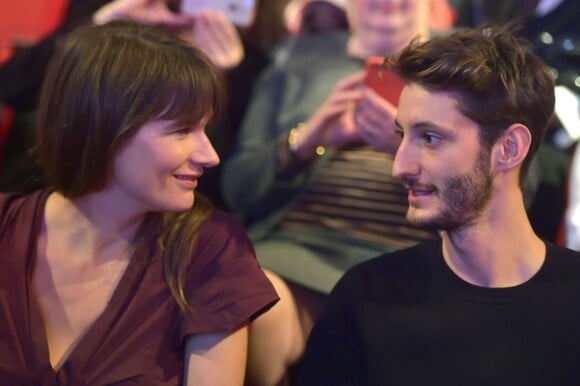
217,36
374,118
142,11
332,124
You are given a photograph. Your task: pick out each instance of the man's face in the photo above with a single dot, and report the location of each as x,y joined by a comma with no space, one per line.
441,161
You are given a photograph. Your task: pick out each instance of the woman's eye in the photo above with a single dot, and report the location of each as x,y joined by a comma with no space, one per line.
182,131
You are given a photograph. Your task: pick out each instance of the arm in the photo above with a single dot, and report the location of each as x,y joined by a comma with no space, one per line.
217,36
255,155
283,99
217,359
227,290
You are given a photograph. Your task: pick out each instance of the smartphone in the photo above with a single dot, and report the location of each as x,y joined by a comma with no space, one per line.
382,80
240,12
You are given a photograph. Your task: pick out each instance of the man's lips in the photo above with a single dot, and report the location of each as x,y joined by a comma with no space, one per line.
421,191
418,193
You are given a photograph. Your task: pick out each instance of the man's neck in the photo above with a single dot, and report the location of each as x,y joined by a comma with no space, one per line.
499,250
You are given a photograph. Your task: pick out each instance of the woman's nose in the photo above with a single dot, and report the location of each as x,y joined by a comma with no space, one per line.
204,153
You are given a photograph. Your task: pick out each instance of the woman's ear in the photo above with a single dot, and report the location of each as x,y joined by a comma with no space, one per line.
512,146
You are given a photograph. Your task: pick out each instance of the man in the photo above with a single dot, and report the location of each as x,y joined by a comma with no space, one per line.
490,303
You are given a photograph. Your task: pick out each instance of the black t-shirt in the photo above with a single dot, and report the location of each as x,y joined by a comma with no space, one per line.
406,319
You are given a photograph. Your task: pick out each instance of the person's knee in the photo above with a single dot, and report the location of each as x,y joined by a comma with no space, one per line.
276,339
282,322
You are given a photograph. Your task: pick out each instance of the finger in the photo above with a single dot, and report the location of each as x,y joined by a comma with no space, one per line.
353,81
377,131
344,97
223,27
205,38
170,19
223,33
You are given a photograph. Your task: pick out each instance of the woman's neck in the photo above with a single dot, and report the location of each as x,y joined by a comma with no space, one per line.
89,223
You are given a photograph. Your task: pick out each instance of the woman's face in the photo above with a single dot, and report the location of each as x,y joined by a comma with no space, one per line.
385,27
159,168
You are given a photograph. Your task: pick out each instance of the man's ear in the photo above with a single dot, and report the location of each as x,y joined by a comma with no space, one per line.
512,146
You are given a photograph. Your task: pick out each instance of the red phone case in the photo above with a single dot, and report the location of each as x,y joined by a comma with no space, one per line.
383,81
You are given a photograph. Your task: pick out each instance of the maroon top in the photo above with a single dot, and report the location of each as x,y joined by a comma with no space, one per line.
139,338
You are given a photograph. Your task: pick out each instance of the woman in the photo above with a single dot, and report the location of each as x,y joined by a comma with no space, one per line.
120,273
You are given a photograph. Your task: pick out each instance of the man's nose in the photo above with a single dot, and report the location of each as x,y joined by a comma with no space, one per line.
405,163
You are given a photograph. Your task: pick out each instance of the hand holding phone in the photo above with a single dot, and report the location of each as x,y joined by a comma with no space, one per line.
240,12
383,81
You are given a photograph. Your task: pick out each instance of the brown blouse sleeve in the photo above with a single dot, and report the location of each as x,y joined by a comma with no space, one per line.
225,284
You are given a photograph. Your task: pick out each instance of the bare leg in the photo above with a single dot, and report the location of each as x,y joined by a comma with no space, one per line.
278,337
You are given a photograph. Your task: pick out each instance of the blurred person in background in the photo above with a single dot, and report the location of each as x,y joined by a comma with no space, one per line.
305,17
310,177
240,53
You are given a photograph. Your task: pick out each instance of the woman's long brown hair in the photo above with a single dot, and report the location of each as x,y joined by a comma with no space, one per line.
103,84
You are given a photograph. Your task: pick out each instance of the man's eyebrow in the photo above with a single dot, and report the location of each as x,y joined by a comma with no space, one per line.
426,125
418,125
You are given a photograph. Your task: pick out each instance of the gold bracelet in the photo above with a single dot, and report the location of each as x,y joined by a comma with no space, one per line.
293,142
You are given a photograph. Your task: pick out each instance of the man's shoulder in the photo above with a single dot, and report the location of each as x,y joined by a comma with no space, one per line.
402,271
563,256
406,258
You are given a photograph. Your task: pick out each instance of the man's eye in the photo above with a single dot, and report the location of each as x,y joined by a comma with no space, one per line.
431,139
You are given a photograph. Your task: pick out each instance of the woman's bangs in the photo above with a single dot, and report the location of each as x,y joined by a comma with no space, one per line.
189,97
